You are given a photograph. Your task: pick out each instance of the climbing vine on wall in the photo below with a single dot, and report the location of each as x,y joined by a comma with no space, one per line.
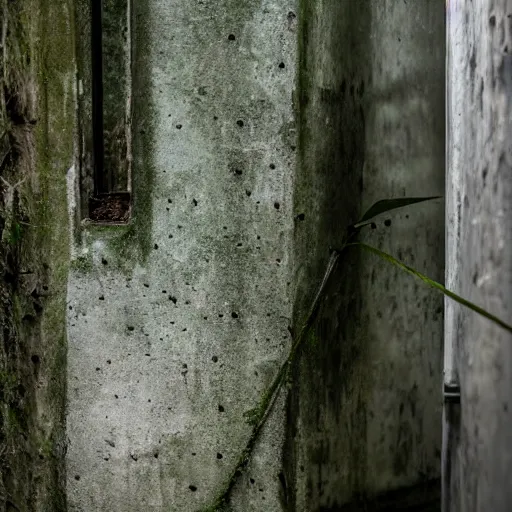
258,416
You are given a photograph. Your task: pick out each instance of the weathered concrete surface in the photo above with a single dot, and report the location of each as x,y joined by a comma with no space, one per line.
36,147
179,322
365,406
478,441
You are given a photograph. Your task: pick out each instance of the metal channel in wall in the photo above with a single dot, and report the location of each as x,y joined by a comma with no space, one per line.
110,199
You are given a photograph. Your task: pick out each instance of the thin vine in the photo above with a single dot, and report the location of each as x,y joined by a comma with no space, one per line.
258,416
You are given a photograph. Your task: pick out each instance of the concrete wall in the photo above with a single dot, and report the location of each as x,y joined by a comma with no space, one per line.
37,119
478,431
262,128
365,407
179,322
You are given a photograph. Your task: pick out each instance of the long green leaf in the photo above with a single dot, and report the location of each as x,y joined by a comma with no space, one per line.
386,205
434,284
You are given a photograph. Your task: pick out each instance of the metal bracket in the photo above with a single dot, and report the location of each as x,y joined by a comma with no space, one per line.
451,394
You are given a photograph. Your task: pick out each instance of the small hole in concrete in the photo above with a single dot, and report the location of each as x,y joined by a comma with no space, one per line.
116,396
281,65
169,200
215,118
221,409
238,172
277,205
252,481
179,126
193,488
205,318
170,236
146,285
258,237
104,261
239,244
220,315
301,216
109,361
278,260
98,368
77,477
155,247
272,166
194,454
387,222
35,359
131,328
240,123
248,192
173,299
234,315
215,359
231,37
155,455
492,20
373,225
219,456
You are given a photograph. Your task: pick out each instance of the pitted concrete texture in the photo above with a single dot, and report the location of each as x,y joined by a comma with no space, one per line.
167,353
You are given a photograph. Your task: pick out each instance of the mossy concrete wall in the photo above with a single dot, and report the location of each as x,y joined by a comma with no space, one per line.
364,412
178,323
37,112
261,129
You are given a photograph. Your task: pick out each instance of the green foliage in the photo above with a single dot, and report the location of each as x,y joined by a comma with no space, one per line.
386,205
257,416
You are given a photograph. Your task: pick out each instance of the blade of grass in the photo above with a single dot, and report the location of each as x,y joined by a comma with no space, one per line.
434,284
386,205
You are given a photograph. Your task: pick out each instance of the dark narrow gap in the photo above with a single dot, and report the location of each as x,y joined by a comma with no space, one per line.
110,201
100,185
